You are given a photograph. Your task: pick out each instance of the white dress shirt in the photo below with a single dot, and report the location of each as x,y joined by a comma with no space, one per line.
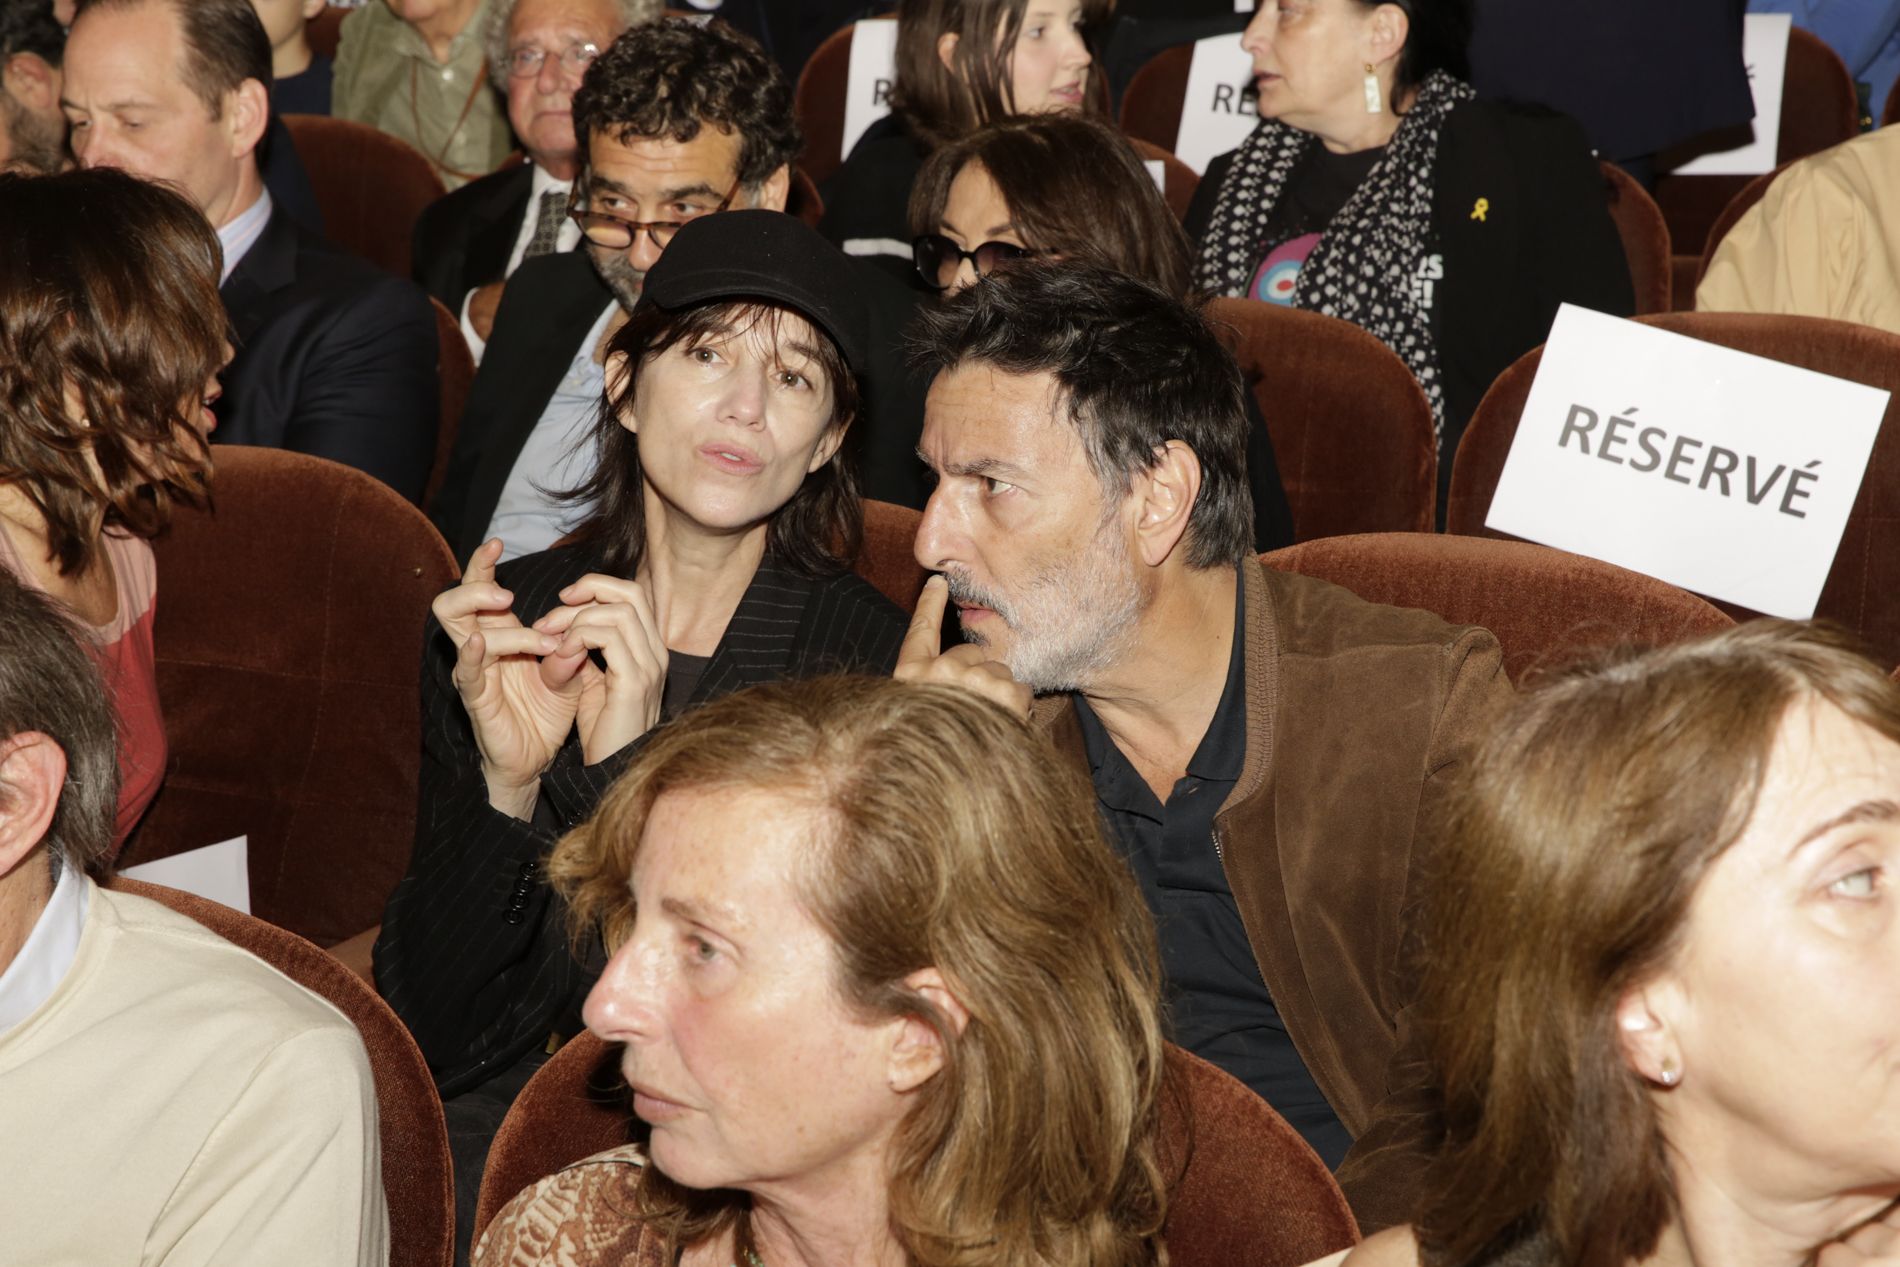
559,454
49,950
567,239
238,236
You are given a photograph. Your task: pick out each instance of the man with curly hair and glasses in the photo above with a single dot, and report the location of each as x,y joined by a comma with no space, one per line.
676,120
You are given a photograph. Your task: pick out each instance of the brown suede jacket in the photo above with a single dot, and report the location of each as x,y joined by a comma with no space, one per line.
1357,715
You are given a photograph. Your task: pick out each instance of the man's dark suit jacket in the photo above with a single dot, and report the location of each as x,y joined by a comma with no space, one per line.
335,358
549,306
463,240
474,954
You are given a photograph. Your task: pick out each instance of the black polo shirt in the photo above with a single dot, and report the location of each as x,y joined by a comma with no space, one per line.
1218,1004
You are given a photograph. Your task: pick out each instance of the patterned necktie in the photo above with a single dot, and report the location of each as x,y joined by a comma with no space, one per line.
547,226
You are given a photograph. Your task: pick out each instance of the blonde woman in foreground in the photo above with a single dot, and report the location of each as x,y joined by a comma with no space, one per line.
1664,985
886,995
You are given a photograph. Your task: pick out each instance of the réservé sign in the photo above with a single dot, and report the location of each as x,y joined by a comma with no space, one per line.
1727,474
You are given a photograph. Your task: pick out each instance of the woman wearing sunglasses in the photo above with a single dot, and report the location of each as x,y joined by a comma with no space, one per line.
1065,187
959,65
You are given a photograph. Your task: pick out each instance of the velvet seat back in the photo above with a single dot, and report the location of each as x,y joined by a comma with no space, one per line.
1542,604
1178,180
325,30
288,634
455,372
819,105
1819,110
1351,428
1250,1189
1151,104
888,560
1863,588
415,1141
1639,222
370,186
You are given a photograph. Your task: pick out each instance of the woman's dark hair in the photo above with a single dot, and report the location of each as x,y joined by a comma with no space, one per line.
1074,186
940,103
1573,845
1439,39
109,285
812,535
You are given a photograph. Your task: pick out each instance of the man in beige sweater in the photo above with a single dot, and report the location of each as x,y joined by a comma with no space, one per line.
1824,241
165,1098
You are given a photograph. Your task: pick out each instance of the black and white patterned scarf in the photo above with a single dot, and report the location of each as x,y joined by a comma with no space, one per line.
1365,267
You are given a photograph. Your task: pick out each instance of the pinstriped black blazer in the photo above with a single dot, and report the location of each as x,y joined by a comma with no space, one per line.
474,955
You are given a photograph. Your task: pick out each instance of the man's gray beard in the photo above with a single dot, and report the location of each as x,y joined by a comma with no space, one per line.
622,278
1071,623
32,142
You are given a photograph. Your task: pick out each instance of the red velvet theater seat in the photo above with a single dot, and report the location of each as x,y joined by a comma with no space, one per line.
1351,428
1250,1191
1863,589
288,636
370,186
416,1180
1541,603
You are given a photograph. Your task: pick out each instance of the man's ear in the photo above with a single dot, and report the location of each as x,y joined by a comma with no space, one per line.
917,1052
776,191
246,116
31,81
1165,495
1649,1039
32,773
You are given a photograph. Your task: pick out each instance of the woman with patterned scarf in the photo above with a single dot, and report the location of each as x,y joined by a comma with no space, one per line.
1377,189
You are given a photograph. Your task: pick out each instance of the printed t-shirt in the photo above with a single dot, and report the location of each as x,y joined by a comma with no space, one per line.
1323,183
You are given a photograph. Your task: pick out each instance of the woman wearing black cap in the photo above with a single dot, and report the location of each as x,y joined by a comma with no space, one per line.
722,512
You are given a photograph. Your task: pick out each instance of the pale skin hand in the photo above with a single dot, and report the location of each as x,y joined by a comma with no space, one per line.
616,618
918,660
520,719
481,309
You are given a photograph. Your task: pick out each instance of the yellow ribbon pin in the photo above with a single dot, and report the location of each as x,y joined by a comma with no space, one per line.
1477,212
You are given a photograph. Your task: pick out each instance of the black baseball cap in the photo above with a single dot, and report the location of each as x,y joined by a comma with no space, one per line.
757,254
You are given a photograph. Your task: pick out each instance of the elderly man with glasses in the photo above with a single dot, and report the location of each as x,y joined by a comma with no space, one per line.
676,120
469,243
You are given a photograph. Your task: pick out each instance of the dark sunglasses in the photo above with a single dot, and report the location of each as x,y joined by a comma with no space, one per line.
938,258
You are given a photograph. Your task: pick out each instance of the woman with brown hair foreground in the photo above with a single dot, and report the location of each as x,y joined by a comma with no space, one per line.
1663,990
111,338
882,1002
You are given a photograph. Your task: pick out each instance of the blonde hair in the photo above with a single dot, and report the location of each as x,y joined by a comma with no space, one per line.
1574,845
953,839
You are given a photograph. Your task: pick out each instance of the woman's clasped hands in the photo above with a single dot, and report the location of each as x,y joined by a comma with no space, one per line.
527,686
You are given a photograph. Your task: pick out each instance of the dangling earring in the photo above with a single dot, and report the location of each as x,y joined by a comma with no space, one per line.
1374,104
1670,1075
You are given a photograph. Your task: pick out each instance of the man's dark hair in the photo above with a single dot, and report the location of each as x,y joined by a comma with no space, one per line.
49,683
665,80
28,26
225,44
1138,368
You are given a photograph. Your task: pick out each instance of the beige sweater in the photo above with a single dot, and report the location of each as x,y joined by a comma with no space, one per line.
178,1101
1824,241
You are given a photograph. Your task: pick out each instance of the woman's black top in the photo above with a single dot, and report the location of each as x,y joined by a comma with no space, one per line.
867,201
474,953
1545,238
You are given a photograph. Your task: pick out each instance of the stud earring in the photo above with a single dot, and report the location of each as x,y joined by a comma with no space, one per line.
1670,1075
1374,104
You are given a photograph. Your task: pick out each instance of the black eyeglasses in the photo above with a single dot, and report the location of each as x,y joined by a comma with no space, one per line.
938,258
618,234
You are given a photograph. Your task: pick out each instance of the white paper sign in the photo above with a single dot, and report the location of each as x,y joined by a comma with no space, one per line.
1765,49
868,86
1217,113
1727,474
1158,173
221,872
